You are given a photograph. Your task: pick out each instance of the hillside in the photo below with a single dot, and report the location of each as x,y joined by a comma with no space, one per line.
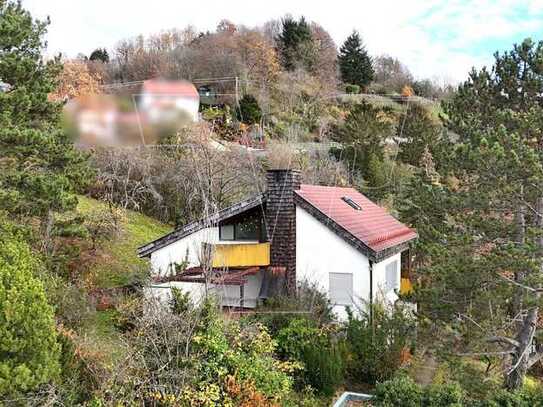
114,263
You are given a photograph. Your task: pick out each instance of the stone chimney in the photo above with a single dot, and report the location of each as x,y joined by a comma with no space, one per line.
281,227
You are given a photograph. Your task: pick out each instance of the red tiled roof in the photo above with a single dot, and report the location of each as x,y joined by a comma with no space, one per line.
165,87
372,225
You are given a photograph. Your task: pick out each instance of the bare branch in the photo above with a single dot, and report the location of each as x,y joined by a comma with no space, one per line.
503,339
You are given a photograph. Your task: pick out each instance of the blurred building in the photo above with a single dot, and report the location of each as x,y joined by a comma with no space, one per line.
160,108
165,100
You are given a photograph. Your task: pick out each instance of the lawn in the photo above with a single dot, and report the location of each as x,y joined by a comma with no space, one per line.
115,262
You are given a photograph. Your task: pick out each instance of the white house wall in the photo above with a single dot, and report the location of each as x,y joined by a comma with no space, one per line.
189,248
319,251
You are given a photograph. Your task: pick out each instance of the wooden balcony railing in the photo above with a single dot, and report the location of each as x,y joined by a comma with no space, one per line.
240,255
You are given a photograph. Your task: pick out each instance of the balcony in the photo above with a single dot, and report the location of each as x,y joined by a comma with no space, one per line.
240,255
405,286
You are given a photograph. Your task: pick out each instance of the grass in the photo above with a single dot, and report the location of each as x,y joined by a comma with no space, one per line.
115,262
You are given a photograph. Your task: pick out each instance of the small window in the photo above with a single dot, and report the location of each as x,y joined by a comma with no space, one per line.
249,229
351,203
391,275
226,232
341,288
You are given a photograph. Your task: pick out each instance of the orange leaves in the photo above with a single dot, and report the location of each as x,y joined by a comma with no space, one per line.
76,80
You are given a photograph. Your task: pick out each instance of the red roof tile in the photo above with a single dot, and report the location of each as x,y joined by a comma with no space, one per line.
372,225
174,88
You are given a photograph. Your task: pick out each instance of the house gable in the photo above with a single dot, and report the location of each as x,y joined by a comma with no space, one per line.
361,223
193,227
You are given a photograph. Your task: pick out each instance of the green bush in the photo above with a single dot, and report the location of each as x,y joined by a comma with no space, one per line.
352,89
324,367
279,311
403,391
376,346
249,111
180,301
28,343
322,357
503,398
294,338
444,395
400,391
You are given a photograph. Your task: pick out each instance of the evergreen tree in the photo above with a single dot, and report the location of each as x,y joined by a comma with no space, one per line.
295,44
364,134
481,224
28,345
416,132
355,64
99,54
249,111
39,167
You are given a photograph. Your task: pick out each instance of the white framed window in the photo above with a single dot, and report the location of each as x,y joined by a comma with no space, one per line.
341,288
391,276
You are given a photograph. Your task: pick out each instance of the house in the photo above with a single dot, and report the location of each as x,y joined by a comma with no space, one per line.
332,237
166,100
163,106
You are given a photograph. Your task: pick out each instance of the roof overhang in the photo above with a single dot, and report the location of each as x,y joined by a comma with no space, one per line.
337,229
209,221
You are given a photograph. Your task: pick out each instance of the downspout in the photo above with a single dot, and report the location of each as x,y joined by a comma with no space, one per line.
371,291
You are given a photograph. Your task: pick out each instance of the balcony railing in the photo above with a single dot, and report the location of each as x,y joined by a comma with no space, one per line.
405,286
240,255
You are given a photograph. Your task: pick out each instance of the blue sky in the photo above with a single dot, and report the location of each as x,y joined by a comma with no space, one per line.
436,39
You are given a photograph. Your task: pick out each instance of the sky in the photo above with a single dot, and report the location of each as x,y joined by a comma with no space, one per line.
436,39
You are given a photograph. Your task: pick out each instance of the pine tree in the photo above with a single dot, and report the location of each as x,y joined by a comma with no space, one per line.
28,345
417,132
39,167
296,46
99,54
481,227
355,64
364,136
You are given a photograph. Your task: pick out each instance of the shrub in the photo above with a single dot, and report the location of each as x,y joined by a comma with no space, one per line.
323,367
180,301
352,89
400,391
376,346
28,343
104,223
249,111
302,340
196,358
503,398
296,336
444,395
278,311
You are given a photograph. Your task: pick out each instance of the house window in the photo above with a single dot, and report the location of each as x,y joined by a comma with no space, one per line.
226,232
249,229
391,275
341,288
242,228
349,201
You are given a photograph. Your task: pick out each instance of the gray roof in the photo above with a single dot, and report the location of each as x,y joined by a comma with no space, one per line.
212,220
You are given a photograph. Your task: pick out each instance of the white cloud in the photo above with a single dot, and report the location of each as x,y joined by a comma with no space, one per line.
434,38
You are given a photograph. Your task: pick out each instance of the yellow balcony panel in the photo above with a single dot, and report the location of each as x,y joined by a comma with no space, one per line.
241,255
405,286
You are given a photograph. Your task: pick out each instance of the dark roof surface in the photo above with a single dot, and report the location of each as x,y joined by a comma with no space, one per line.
372,225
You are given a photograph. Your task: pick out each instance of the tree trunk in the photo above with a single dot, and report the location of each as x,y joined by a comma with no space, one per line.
520,223
47,229
523,353
520,365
